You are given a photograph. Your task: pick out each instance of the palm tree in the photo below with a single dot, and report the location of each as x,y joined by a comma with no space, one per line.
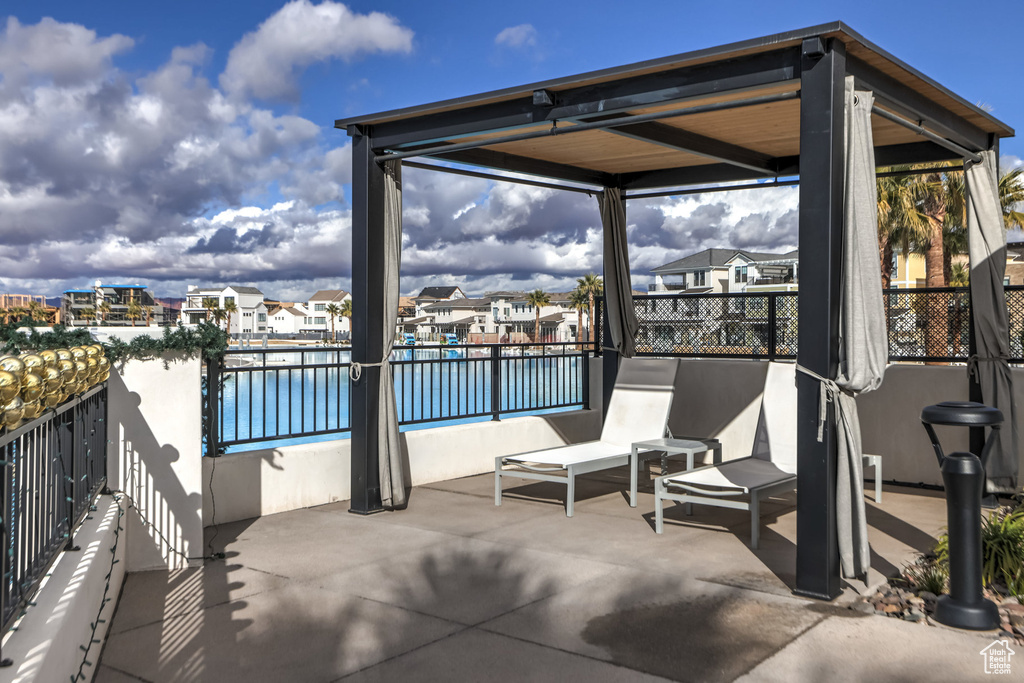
579,301
104,308
591,285
900,223
332,309
229,308
4,314
35,311
15,314
346,312
538,298
87,313
134,311
210,303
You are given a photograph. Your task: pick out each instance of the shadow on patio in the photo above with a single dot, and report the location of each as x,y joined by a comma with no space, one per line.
458,589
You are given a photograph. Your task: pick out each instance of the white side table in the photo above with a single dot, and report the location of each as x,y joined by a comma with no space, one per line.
670,447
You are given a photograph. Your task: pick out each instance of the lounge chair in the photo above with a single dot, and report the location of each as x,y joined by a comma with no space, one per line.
638,411
770,470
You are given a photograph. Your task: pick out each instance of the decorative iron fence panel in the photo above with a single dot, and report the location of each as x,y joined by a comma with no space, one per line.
924,325
54,466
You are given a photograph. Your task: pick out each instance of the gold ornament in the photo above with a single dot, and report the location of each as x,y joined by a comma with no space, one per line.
94,367
32,387
49,357
15,366
77,353
10,386
53,400
12,413
34,363
104,364
53,380
82,375
68,371
105,375
91,351
64,354
32,410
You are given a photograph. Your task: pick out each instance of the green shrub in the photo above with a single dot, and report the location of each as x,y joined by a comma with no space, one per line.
1002,548
927,573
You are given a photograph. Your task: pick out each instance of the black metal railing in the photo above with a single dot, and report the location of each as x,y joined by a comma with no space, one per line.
267,395
54,466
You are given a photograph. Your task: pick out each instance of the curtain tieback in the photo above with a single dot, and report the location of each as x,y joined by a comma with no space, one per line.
973,360
355,370
827,394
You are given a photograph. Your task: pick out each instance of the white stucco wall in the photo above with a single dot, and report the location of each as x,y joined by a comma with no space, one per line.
155,436
263,482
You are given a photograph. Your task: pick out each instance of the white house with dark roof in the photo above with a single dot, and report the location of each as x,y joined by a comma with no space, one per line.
727,270
320,318
249,319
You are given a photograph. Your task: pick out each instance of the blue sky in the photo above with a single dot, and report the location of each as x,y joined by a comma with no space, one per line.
192,142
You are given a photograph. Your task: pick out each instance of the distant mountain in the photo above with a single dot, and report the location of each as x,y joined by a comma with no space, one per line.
53,301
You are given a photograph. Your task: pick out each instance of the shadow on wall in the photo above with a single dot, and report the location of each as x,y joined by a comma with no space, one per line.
164,518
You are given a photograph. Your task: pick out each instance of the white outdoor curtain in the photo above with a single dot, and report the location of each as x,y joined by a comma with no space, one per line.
986,238
618,285
392,476
863,341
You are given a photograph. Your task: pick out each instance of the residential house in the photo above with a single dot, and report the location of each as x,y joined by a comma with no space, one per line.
727,270
320,319
250,317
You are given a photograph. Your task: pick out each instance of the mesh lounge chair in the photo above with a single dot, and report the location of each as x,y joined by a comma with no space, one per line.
769,471
638,411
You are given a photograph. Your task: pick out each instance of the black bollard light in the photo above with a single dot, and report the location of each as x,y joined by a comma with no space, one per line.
963,475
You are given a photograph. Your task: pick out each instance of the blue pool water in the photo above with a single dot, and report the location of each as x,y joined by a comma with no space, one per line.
297,398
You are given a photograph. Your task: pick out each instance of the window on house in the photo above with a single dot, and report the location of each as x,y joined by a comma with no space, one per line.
229,300
700,278
741,274
319,307
320,321
263,318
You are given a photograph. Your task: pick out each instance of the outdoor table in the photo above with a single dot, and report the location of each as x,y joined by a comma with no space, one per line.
669,447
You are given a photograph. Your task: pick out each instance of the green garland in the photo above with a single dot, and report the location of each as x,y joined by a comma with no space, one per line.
13,342
205,340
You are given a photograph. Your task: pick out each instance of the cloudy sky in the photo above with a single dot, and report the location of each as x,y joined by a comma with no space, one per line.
193,143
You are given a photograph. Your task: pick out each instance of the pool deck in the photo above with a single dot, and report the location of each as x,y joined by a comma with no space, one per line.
456,589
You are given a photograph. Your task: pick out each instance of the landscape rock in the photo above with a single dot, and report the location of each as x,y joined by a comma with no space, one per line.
927,595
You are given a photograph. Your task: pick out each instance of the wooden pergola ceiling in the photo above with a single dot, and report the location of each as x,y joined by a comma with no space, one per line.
737,140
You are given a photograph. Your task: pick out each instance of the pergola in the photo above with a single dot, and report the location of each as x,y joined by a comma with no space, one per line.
761,109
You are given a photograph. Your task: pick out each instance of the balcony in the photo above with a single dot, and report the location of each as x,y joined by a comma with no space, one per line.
666,287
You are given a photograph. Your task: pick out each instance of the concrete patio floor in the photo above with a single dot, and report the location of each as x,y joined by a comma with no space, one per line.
456,589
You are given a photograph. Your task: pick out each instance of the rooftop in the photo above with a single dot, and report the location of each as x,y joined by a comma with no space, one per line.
717,258
455,588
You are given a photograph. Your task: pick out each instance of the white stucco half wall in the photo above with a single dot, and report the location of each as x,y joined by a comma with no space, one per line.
155,436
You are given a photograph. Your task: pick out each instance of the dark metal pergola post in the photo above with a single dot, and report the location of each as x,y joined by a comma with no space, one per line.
821,234
367,321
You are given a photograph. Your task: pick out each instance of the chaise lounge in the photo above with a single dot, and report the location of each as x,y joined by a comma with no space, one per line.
637,411
770,470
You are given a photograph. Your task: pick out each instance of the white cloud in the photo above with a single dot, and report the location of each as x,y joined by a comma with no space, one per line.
523,35
267,62
63,53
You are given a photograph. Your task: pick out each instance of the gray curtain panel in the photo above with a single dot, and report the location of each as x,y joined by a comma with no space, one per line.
392,476
618,285
986,237
863,344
